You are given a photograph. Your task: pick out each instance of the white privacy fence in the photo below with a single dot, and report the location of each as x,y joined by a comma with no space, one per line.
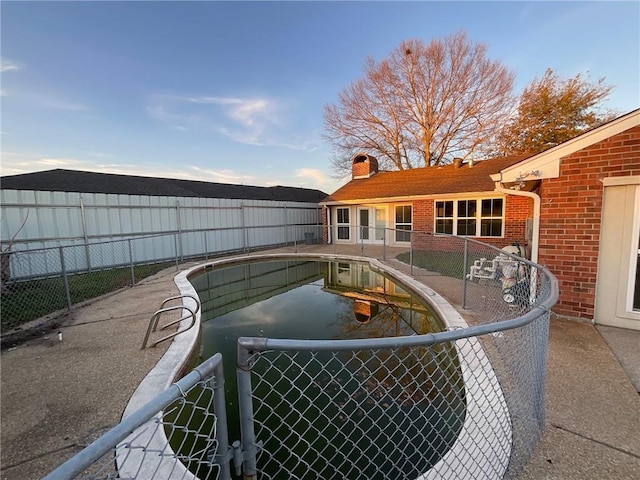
39,219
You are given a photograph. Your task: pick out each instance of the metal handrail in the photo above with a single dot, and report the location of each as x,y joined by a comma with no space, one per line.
176,298
153,323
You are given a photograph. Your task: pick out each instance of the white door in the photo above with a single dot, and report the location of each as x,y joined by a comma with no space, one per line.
363,225
618,277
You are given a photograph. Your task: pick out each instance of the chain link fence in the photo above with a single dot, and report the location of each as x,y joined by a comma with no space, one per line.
49,281
467,402
432,408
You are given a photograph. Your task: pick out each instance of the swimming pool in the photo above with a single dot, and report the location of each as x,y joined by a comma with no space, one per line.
341,406
485,414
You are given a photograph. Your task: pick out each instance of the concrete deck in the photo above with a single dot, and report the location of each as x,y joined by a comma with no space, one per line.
58,396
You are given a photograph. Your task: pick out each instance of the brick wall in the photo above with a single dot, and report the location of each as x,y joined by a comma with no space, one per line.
361,169
571,217
325,230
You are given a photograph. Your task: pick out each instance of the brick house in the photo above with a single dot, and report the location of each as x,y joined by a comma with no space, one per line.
576,206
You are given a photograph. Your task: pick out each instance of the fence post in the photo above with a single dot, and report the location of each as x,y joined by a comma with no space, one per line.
384,244
87,254
245,405
222,432
175,248
64,276
286,228
206,246
133,274
411,252
179,226
244,229
464,273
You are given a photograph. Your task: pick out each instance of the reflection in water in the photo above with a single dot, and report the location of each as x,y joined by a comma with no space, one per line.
335,300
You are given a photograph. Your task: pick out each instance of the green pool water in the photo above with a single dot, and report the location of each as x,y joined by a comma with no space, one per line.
401,426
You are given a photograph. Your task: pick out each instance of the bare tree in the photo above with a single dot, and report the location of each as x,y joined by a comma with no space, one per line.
423,105
551,111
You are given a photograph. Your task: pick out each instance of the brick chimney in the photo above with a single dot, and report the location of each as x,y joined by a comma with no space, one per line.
363,166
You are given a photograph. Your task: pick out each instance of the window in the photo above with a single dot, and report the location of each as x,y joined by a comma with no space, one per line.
403,222
444,217
463,217
342,220
491,218
466,222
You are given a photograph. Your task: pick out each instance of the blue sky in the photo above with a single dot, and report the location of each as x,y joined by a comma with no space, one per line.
234,92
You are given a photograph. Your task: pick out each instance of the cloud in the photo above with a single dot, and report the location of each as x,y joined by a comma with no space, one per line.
14,163
317,179
50,101
218,176
57,103
60,162
7,65
257,121
316,175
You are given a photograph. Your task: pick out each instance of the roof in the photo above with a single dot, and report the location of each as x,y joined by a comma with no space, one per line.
60,180
547,164
447,179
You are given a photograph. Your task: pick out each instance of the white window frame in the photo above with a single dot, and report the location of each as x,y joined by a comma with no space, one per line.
342,225
478,216
410,223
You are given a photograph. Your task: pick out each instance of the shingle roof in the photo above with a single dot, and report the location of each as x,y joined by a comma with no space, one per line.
424,181
61,180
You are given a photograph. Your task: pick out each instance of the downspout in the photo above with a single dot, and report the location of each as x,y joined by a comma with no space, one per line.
536,214
536,231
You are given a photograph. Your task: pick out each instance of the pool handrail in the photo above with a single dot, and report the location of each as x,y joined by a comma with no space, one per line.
155,318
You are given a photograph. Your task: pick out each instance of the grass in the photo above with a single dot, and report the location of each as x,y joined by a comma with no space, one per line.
32,299
450,264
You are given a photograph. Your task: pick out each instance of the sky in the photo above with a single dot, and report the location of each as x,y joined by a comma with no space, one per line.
234,92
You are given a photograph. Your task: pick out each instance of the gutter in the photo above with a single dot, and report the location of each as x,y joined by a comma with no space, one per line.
536,213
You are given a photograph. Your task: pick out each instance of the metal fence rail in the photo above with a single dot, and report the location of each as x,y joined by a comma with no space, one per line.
142,445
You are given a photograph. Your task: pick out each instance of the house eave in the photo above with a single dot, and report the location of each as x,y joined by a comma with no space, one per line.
410,198
547,164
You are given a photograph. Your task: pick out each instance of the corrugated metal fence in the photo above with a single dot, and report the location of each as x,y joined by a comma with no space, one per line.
172,226
39,219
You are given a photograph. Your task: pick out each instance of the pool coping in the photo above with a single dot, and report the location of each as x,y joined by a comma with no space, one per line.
494,424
